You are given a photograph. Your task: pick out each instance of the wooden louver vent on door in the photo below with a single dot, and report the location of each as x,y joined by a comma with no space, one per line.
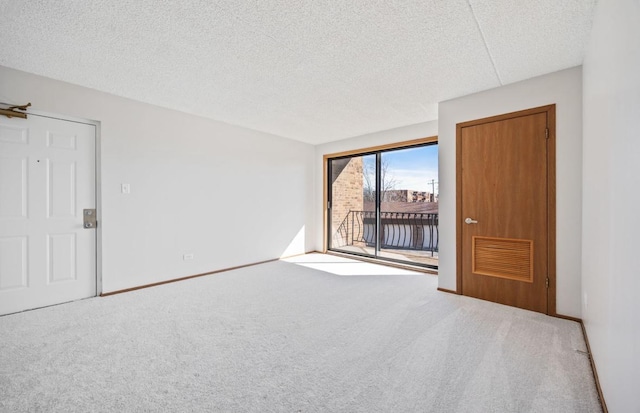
503,258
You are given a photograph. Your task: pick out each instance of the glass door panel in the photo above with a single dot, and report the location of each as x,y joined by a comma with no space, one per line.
352,214
408,205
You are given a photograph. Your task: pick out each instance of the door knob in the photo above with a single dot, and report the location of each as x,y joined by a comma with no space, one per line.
470,221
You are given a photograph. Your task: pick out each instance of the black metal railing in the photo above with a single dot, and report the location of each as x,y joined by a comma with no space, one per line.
398,230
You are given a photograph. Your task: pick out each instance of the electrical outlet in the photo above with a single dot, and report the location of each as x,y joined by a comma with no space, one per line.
188,256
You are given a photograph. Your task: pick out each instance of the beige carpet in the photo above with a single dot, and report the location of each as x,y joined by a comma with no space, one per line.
322,335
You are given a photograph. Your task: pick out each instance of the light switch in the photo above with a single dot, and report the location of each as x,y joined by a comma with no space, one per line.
125,188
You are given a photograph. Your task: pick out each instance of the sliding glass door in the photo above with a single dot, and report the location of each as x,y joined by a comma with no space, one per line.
384,204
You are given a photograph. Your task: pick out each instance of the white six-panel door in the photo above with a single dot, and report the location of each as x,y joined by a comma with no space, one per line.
47,178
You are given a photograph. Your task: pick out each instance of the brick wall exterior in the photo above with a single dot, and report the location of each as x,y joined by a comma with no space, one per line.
347,193
407,195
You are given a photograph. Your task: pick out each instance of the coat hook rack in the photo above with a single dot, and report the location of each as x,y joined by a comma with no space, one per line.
12,111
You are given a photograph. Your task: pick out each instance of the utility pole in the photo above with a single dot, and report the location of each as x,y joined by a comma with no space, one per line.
433,190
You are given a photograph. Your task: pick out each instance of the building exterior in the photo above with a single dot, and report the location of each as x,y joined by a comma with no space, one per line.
408,195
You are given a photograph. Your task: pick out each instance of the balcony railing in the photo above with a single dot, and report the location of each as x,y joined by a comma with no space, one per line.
398,230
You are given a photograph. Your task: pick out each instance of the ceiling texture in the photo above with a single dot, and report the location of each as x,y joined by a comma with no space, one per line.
311,70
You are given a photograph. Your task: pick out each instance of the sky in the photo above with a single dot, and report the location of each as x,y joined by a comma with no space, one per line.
412,168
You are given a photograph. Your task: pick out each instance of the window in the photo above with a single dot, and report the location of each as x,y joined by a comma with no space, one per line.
383,203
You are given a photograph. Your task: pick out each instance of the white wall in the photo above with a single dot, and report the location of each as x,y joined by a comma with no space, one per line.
420,130
563,88
231,196
611,201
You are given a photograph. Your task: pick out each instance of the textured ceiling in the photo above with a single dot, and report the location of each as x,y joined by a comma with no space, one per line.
310,70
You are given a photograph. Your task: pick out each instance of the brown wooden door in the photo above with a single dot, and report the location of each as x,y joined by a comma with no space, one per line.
503,208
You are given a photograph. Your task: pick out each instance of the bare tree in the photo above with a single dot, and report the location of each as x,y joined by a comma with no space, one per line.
388,181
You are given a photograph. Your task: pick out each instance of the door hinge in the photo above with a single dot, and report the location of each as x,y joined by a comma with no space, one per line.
328,204
547,282
546,133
